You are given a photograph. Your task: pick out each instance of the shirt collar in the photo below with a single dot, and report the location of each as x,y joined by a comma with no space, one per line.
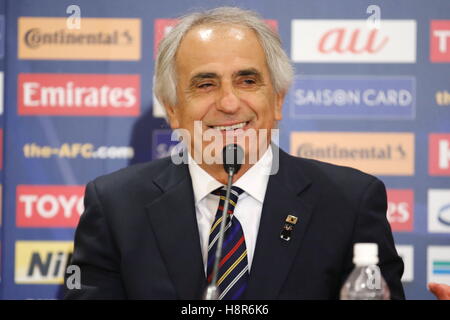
253,182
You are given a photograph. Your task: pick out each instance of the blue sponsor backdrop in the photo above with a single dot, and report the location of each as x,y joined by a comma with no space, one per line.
379,97
2,70
353,97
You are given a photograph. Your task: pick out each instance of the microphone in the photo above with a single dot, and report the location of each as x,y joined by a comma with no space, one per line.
232,159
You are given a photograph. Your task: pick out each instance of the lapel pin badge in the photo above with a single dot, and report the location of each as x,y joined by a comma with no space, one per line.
289,224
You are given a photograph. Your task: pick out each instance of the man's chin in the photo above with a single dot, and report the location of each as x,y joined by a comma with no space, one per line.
213,154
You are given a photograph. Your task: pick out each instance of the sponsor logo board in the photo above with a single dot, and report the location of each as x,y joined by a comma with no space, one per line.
400,211
438,264
48,38
380,153
78,94
440,41
406,252
353,41
357,97
49,206
439,210
41,262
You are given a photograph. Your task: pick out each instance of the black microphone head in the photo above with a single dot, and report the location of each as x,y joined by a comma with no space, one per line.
232,157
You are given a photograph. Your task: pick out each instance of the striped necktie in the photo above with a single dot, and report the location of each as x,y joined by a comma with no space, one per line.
233,273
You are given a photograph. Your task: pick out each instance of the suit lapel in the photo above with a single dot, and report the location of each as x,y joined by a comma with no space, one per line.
273,256
173,220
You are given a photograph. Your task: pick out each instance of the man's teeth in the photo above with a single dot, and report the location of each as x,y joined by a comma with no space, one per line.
233,127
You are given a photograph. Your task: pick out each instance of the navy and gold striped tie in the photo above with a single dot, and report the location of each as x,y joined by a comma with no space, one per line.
233,273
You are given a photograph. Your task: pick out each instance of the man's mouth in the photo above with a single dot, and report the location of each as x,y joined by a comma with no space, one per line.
236,126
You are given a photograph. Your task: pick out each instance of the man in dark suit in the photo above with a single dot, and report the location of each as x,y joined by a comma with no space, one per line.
149,231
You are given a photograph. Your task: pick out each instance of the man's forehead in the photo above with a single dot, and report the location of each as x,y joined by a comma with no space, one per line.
220,50
207,32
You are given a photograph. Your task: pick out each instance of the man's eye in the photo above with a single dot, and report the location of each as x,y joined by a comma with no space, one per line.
249,81
204,85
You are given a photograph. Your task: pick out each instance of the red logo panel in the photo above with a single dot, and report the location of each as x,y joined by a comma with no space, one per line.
440,41
78,94
439,154
49,206
400,211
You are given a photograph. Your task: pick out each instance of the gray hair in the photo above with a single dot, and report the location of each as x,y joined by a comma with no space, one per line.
280,68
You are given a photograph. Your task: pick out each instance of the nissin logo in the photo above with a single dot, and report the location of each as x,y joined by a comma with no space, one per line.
42,262
400,213
49,206
353,41
440,41
439,154
78,94
353,97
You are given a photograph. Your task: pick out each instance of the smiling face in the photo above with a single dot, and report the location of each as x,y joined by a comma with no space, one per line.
224,82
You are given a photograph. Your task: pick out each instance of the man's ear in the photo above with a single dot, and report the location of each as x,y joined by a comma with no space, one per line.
172,116
279,100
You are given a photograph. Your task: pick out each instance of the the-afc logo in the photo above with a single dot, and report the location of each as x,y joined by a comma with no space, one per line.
51,206
439,154
400,211
440,41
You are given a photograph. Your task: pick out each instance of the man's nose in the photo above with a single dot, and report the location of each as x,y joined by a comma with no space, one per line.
228,99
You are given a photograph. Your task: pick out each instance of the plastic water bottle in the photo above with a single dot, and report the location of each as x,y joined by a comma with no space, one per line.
365,282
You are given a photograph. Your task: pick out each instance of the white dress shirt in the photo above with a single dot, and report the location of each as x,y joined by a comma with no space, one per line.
248,208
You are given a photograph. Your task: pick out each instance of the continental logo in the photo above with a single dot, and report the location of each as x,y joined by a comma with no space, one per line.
49,206
42,262
78,94
77,150
98,39
375,153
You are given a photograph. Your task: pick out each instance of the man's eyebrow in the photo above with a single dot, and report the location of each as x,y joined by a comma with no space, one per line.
248,72
212,75
203,75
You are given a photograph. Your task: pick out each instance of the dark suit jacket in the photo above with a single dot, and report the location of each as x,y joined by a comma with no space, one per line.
138,237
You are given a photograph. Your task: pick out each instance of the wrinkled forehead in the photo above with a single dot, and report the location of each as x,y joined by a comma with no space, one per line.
209,31
201,35
209,43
